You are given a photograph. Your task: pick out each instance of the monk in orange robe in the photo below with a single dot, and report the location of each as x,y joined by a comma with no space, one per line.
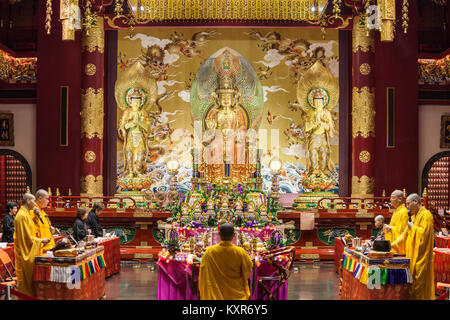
398,222
44,226
225,269
26,245
419,242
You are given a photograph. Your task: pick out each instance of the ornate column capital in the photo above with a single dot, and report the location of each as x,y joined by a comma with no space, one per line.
362,38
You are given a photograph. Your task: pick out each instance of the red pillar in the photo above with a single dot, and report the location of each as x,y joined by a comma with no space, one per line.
92,109
363,110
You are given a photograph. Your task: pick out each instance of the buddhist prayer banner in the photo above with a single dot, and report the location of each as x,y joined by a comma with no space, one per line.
283,83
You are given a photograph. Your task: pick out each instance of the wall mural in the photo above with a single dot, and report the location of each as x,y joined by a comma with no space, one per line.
285,82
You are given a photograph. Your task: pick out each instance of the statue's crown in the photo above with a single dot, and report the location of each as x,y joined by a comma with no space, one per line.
319,93
135,94
226,85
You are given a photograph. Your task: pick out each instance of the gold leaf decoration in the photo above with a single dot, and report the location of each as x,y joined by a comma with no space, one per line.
363,112
363,186
365,69
92,113
90,69
90,156
364,156
91,185
361,38
95,40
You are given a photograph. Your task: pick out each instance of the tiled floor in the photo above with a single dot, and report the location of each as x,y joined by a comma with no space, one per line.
308,282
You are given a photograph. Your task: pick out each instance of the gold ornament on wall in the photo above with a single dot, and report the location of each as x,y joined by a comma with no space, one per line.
92,185
363,186
363,112
92,113
89,156
365,69
364,156
90,69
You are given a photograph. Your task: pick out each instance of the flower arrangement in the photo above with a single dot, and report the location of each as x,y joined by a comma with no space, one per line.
172,244
275,241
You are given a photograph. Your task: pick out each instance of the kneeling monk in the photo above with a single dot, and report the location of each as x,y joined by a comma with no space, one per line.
225,269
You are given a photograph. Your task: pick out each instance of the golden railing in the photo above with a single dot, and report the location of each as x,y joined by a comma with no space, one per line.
68,202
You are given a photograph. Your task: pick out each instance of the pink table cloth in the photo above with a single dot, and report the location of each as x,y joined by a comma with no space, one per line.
179,281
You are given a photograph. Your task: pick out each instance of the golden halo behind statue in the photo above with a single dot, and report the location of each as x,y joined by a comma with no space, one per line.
318,82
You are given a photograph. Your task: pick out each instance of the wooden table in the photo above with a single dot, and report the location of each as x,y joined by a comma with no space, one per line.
441,242
396,270
62,278
112,255
338,252
441,261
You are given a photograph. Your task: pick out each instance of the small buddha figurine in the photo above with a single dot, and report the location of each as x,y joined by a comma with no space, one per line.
210,207
197,209
184,212
239,206
251,210
224,204
263,211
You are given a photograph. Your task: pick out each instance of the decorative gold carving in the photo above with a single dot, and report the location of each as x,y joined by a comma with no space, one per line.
91,185
14,69
362,186
89,156
48,16
364,215
309,256
362,39
364,156
297,10
405,17
141,214
434,71
90,69
387,20
95,40
92,113
363,112
365,69
344,22
143,256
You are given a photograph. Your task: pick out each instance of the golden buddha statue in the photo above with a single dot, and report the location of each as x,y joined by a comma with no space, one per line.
319,129
227,117
133,129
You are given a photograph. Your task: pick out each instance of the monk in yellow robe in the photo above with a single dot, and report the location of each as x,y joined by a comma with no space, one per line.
398,222
26,245
44,226
225,269
419,242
